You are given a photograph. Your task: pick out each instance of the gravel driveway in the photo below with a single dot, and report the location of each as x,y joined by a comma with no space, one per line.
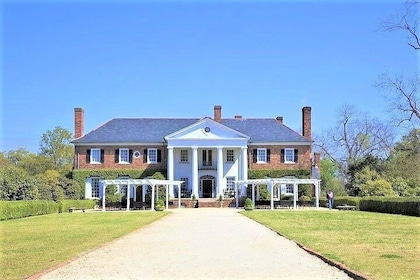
203,243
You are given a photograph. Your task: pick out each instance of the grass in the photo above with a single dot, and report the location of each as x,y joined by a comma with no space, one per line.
380,246
31,245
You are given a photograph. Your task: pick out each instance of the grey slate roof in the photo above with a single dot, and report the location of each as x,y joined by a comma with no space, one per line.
149,130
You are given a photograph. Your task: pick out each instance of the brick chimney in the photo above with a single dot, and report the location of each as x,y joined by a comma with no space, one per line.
238,117
79,122
218,113
306,122
317,159
279,119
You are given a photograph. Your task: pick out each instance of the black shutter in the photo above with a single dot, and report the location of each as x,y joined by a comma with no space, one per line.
268,155
145,156
117,156
159,155
254,156
282,155
88,156
130,156
102,156
296,155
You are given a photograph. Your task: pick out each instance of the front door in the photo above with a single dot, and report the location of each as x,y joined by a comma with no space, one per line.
207,188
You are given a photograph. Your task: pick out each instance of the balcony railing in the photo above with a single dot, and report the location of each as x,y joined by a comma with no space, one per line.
207,165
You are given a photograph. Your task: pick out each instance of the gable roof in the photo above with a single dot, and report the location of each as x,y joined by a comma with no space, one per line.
153,130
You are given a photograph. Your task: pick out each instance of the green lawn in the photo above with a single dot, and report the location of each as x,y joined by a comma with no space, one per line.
31,245
380,246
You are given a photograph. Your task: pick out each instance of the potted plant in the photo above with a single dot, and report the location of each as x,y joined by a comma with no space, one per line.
160,205
221,200
249,204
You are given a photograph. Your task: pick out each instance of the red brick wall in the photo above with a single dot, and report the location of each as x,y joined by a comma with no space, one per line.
304,158
109,158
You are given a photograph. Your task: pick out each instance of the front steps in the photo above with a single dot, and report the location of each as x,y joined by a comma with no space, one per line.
206,203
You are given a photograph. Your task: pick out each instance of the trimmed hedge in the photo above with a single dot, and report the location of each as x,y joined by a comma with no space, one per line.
392,205
278,173
26,208
64,205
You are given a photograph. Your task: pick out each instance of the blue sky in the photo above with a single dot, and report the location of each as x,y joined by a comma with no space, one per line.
180,58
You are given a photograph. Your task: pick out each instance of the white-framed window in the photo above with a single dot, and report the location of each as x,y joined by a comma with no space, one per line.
230,185
95,156
289,155
124,156
95,187
261,155
230,155
151,155
184,155
289,188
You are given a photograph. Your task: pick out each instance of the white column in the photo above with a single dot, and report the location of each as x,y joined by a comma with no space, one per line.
195,171
171,170
295,194
167,196
152,202
253,193
236,195
128,197
219,171
143,193
244,168
103,197
271,195
179,196
317,185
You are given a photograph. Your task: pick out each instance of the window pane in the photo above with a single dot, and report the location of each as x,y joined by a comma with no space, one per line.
261,155
229,156
95,187
152,155
289,155
124,156
184,155
95,155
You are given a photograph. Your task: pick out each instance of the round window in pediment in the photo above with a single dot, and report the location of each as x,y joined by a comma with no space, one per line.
207,129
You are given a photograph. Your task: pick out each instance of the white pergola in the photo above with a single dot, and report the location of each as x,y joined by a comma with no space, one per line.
142,182
272,182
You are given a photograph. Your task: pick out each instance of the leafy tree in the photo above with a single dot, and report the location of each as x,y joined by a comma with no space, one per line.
16,184
56,144
330,177
50,189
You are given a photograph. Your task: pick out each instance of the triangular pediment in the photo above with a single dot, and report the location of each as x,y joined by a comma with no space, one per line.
207,129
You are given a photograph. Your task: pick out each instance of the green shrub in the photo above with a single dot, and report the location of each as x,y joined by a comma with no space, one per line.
26,208
64,205
249,204
392,205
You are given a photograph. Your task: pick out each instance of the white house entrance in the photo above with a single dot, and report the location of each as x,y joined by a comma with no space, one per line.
207,186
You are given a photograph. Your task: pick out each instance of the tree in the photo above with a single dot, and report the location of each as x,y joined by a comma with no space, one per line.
56,145
402,92
330,177
354,137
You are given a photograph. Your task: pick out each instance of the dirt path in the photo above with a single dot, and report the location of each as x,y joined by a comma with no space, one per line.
204,243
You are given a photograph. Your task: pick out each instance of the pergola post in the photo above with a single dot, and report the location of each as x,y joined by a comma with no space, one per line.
167,197
317,187
179,196
271,195
128,197
103,197
295,194
253,194
236,195
152,202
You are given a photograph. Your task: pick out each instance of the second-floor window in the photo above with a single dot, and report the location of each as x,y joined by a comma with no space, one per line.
151,155
289,155
207,157
261,155
124,156
229,156
184,155
95,156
